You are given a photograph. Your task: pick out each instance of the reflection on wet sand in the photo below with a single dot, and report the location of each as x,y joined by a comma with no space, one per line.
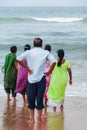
8,116
15,118
56,121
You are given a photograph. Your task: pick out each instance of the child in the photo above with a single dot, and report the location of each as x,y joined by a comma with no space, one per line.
10,73
48,77
57,87
22,77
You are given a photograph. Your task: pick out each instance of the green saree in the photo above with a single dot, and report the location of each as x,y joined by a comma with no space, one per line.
10,72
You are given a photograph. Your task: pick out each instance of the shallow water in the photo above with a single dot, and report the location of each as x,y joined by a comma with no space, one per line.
14,116
61,27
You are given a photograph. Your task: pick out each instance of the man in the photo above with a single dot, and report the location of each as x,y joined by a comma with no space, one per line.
36,60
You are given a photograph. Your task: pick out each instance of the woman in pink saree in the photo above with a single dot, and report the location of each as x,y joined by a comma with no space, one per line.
48,78
22,78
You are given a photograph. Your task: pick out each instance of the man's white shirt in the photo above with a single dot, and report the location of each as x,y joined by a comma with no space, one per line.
36,60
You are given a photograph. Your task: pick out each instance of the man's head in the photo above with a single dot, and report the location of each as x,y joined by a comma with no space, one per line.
38,42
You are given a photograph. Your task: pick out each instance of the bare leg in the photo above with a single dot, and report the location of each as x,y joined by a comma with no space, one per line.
8,97
61,107
23,96
54,109
14,98
26,100
31,112
39,116
45,107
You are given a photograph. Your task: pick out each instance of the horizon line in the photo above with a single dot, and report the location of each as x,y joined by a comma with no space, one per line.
46,6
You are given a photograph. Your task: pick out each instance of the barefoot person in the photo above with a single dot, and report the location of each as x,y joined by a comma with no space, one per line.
10,73
48,78
22,78
36,60
59,80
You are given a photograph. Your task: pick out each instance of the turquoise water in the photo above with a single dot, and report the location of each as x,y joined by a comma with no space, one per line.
62,27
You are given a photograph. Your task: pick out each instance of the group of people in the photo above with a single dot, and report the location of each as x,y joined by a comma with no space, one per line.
37,75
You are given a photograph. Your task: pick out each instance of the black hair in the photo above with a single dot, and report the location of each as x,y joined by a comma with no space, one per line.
13,49
48,47
38,42
27,47
60,54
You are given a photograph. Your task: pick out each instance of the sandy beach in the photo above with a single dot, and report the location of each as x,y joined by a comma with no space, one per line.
14,116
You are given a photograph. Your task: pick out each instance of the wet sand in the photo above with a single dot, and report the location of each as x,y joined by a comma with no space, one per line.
14,116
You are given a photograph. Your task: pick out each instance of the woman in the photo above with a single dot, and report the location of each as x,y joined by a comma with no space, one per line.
22,77
48,78
10,73
58,84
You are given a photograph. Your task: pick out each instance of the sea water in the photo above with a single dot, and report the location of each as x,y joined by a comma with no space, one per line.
61,27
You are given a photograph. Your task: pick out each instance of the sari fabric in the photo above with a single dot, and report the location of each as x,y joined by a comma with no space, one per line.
48,78
22,79
10,72
58,83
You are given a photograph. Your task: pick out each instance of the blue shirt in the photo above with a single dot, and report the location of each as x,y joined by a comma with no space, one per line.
36,60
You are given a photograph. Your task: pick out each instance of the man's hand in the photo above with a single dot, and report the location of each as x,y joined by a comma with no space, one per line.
29,70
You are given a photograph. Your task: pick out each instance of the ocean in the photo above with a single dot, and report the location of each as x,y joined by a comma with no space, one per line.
61,27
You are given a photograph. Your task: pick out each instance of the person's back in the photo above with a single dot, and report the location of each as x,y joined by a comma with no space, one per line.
22,77
10,73
48,78
59,81
36,61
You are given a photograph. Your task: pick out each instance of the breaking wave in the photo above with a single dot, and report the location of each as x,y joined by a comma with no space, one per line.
43,19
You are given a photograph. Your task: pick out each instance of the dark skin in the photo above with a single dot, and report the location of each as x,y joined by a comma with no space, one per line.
70,75
51,69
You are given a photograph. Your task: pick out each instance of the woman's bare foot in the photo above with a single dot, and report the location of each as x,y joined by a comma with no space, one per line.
14,98
54,109
8,99
61,107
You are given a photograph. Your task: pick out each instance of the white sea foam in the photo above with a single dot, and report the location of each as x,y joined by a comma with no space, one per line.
77,89
59,19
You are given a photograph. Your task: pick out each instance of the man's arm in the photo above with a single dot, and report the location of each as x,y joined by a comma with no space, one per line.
25,66
51,68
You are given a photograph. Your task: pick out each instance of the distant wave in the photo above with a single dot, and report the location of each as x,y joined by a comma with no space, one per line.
39,19
60,19
16,19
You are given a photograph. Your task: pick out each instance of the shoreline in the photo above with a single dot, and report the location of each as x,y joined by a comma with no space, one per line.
14,116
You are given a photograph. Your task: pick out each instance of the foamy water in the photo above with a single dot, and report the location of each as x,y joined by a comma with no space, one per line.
61,27
60,19
79,86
